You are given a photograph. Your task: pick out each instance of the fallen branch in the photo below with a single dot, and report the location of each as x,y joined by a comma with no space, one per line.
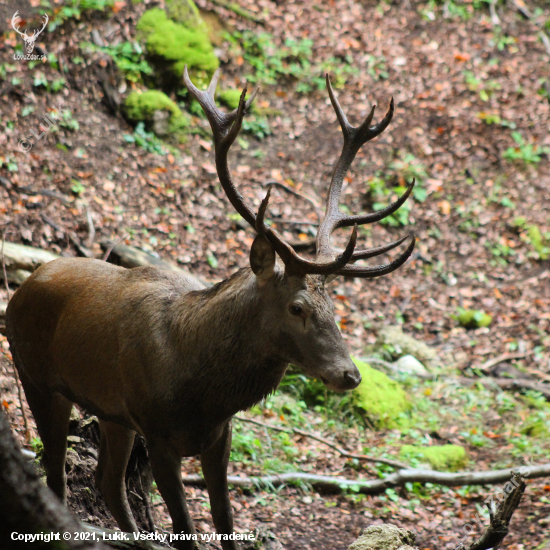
328,484
15,373
500,521
27,258
503,358
505,384
343,452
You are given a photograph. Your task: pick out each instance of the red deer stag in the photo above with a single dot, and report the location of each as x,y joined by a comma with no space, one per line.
155,352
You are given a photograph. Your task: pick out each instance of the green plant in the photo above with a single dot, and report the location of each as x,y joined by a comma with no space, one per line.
401,171
72,9
257,125
129,58
77,187
67,121
9,163
485,88
494,118
146,140
291,61
525,152
501,252
540,242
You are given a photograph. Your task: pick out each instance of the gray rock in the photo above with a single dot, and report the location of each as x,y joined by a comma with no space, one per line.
410,365
385,537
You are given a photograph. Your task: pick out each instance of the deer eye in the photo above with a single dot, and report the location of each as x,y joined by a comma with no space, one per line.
296,309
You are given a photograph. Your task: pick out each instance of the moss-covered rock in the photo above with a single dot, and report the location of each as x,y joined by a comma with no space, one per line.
173,44
382,398
184,12
447,458
158,112
474,318
384,537
397,343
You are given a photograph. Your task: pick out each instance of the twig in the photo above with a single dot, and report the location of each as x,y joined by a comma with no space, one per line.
66,201
500,521
545,41
502,358
505,384
91,228
112,246
377,486
343,452
15,373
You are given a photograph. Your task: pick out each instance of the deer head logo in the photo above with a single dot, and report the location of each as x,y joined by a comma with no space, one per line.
29,40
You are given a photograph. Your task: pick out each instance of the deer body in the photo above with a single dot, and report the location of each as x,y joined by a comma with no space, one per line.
156,353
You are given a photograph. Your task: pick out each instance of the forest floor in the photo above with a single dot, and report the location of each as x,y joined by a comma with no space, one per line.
472,125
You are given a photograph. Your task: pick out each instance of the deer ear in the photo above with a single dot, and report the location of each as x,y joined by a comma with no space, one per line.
262,257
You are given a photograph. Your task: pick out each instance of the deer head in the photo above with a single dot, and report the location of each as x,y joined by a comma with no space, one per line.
300,283
30,41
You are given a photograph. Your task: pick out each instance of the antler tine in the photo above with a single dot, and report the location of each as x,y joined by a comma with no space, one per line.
294,263
377,271
13,23
362,219
225,128
371,252
46,19
354,138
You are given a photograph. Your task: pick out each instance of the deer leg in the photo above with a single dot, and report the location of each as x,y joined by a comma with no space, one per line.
166,467
214,467
51,413
115,447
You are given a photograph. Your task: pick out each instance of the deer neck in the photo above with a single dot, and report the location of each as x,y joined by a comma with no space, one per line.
226,345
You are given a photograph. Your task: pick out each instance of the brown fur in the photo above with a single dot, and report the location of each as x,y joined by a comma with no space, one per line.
154,352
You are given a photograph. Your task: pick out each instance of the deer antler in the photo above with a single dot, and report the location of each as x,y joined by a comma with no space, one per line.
225,128
354,139
36,33
13,22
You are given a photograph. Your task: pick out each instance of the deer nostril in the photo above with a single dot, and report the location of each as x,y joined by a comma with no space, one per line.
352,379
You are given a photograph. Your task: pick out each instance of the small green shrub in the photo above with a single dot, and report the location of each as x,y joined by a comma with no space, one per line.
525,152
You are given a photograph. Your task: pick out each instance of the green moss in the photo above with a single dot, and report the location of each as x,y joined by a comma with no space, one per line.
184,12
173,45
383,399
536,428
440,457
141,107
470,318
231,99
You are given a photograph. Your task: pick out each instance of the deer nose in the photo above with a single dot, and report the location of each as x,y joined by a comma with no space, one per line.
351,379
